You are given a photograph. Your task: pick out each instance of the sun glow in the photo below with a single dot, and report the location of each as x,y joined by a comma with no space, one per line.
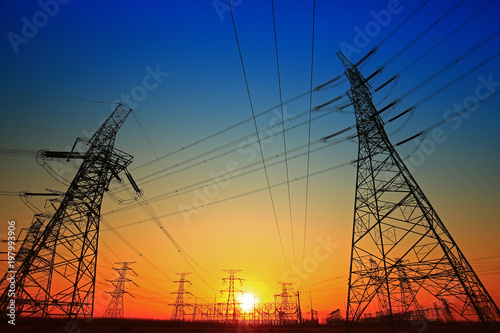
247,302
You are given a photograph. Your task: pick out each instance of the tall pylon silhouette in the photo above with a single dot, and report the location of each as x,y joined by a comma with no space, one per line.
231,306
115,307
408,302
395,226
57,277
29,241
179,311
286,306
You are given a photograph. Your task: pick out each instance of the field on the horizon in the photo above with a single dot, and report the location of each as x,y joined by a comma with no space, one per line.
143,325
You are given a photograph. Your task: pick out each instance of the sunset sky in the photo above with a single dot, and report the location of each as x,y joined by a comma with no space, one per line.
194,148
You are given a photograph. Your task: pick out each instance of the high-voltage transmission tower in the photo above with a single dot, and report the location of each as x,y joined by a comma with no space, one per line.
115,306
286,306
408,303
57,277
395,226
32,233
231,301
179,311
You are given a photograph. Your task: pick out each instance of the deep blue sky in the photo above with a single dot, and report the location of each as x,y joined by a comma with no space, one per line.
99,50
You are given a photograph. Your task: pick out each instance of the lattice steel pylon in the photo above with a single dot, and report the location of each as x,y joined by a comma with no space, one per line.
63,285
179,311
32,234
115,307
287,306
231,301
409,307
393,221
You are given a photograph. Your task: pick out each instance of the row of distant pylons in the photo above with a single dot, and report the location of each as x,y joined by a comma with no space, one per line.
395,230
284,310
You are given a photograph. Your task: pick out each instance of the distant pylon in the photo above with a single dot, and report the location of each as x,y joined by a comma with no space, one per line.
447,312
115,307
394,221
231,301
179,311
408,304
286,306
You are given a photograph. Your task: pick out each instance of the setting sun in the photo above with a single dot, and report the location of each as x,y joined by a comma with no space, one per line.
247,302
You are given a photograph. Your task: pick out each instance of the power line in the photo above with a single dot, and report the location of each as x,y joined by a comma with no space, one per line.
449,65
422,34
133,248
443,88
169,180
452,63
54,97
210,181
257,132
309,134
430,96
222,131
466,108
457,79
241,139
436,74
338,166
18,152
284,136
227,152
446,37
408,18
446,86
42,128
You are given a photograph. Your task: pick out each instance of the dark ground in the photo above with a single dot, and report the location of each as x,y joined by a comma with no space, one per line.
26,325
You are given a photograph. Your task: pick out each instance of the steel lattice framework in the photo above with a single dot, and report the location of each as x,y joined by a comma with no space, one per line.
286,306
179,311
231,306
29,241
399,244
57,277
115,307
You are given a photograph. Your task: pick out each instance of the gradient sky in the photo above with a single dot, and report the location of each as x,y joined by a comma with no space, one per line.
101,50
